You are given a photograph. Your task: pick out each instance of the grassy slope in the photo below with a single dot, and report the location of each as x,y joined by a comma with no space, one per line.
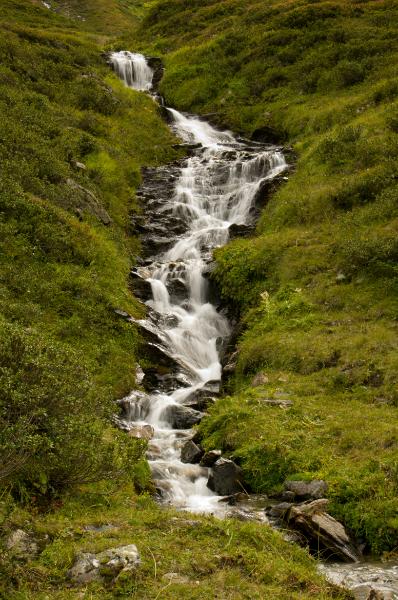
63,271
317,285
65,355
212,558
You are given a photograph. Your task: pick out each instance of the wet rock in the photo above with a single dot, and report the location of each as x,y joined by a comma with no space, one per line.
108,564
191,453
372,592
213,386
279,510
141,286
259,379
304,490
236,231
225,478
142,432
210,457
287,496
182,417
22,544
134,407
200,399
323,533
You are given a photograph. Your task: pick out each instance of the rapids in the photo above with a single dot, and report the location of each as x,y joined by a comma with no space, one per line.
215,188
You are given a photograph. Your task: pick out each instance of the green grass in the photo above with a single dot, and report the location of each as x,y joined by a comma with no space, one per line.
316,287
213,558
63,270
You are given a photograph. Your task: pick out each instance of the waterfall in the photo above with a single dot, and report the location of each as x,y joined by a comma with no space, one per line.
214,189
133,69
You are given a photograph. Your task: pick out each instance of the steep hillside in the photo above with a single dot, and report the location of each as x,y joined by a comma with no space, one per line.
316,287
72,144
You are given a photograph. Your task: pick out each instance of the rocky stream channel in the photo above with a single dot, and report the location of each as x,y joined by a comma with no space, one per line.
190,208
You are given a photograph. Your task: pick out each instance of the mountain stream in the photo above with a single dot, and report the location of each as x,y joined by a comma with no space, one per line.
201,200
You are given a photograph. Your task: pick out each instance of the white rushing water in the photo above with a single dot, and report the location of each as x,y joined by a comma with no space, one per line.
215,189
133,69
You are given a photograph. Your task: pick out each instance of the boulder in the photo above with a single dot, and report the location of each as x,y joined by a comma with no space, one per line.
200,399
141,286
235,230
279,510
191,453
324,534
368,591
141,432
107,564
210,458
307,490
85,569
181,417
22,544
225,478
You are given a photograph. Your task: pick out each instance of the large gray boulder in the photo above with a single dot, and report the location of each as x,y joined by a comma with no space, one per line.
191,453
323,533
225,478
107,564
181,417
304,490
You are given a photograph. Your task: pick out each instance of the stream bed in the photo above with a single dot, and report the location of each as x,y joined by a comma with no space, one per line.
191,208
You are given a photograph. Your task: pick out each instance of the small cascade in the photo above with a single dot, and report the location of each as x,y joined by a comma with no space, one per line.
133,69
215,188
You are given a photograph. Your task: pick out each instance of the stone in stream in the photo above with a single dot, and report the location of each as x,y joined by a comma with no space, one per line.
191,453
324,534
141,431
225,478
210,458
181,417
108,564
141,286
200,399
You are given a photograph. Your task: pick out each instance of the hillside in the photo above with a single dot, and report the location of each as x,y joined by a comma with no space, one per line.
316,287
73,141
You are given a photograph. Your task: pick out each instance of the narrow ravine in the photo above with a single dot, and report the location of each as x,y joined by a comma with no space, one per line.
190,210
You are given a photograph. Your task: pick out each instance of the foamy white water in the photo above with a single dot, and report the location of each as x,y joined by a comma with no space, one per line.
215,188
133,69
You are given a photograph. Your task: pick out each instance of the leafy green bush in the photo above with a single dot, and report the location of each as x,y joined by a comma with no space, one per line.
52,420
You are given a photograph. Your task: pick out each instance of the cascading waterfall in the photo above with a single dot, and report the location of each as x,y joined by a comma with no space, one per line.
133,69
215,189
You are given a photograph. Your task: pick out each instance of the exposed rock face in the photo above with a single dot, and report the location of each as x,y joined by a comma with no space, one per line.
108,564
191,453
323,532
303,490
182,417
225,478
22,544
87,201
